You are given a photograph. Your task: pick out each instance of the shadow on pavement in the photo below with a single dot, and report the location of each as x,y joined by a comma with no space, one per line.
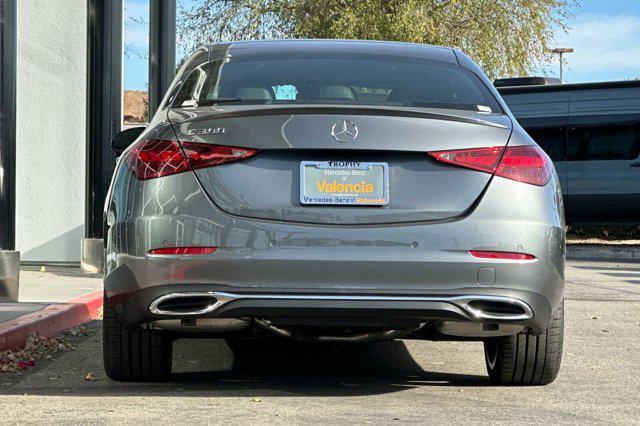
325,370
259,368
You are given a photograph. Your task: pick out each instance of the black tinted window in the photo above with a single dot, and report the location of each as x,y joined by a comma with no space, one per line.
550,133
617,138
338,79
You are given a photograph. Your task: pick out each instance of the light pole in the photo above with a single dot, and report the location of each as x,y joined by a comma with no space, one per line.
560,51
162,50
9,257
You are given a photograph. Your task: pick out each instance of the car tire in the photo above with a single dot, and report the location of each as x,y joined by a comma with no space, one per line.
134,354
526,359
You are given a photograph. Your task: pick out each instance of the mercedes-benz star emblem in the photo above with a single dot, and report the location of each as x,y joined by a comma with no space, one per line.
344,131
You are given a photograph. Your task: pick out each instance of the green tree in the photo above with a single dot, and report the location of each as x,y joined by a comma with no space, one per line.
506,37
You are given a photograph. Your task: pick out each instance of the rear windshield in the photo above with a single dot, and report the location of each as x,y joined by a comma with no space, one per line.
339,79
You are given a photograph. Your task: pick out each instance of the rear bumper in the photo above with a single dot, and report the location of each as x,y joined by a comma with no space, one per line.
428,260
371,308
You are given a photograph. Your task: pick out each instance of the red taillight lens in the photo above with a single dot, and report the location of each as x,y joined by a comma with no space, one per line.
155,158
206,155
528,164
501,255
184,250
482,159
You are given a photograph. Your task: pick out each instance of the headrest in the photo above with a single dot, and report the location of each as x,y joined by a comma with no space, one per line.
336,92
253,93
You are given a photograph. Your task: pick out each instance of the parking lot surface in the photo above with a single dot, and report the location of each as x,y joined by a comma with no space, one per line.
392,382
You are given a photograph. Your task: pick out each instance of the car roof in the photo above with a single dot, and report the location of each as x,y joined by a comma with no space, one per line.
568,87
394,48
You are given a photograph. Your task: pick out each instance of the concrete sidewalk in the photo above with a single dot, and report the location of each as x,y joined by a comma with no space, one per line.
49,302
55,285
9,311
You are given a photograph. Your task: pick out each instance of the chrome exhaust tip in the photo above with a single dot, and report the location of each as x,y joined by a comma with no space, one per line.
190,303
498,308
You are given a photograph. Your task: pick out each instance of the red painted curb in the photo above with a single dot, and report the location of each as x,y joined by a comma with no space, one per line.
50,320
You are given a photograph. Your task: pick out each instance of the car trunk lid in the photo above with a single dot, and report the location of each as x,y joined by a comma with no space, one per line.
268,185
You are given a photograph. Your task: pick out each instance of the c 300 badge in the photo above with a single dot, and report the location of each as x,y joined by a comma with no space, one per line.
207,131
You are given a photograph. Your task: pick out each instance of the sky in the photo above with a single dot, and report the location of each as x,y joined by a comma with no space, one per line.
604,33
136,42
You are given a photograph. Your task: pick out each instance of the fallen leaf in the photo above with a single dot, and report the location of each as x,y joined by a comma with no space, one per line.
90,377
36,348
256,400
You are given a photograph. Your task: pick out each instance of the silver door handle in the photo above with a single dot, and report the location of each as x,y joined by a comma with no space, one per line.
635,164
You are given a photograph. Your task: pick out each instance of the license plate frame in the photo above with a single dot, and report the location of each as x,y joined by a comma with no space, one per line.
352,173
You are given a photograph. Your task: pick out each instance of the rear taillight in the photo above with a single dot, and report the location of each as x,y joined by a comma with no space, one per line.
150,159
482,159
155,158
205,155
528,164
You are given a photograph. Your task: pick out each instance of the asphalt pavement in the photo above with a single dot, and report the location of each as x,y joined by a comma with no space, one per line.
393,382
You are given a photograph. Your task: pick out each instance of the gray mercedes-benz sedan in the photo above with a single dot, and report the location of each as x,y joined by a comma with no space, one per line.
333,191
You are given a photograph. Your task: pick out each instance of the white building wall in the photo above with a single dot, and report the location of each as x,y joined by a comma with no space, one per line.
51,129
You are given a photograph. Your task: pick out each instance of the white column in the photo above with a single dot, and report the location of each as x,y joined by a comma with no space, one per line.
51,129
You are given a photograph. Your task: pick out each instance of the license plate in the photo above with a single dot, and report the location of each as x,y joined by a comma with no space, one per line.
344,183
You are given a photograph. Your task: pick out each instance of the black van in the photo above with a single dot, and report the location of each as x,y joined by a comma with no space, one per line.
592,133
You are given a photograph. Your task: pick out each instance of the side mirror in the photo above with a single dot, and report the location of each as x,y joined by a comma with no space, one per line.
122,140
